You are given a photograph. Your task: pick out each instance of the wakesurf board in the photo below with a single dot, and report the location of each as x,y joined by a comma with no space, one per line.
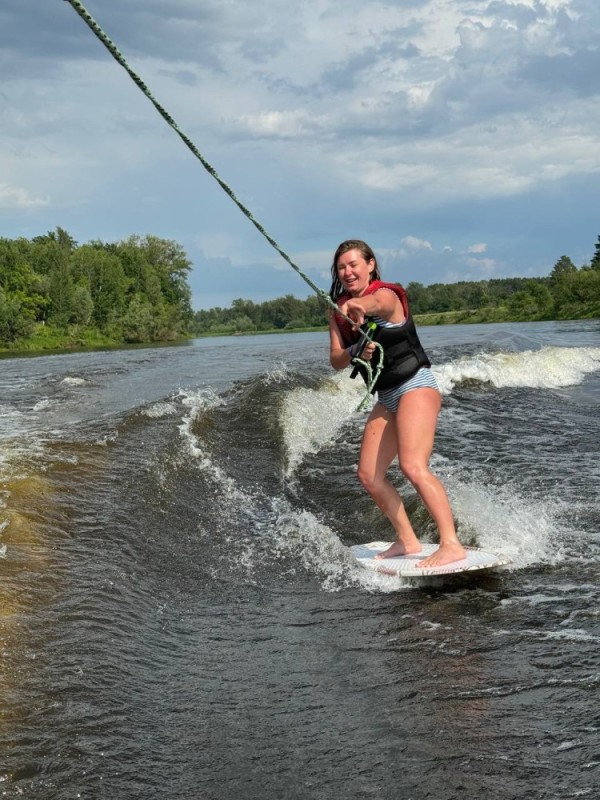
406,566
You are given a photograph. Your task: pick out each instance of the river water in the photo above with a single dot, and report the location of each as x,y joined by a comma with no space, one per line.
180,616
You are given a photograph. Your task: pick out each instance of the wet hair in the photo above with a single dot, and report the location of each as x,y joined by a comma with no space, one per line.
351,244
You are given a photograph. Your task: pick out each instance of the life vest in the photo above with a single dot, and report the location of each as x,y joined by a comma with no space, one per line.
403,354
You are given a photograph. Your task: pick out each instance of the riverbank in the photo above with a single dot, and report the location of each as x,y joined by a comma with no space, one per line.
48,340
480,316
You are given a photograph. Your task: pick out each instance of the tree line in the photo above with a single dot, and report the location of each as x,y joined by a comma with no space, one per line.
567,293
245,316
135,290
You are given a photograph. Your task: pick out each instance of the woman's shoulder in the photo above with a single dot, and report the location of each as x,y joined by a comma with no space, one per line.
397,290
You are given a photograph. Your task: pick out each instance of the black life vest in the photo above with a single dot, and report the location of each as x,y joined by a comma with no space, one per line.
403,354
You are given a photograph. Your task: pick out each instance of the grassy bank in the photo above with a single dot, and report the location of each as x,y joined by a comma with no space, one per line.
502,314
47,339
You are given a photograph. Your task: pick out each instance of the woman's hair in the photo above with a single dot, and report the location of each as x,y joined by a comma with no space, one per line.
351,244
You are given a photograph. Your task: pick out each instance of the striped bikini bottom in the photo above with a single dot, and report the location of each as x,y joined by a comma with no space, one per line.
390,398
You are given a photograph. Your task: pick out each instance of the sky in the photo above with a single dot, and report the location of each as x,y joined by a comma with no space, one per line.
459,138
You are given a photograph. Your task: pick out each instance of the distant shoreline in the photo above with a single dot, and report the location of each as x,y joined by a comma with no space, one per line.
57,345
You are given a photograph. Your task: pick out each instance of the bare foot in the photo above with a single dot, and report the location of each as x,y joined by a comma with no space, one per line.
400,549
445,554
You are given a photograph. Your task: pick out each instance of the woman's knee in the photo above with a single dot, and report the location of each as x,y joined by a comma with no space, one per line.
368,479
414,470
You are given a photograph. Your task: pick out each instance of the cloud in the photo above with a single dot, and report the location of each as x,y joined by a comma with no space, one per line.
16,197
279,124
466,122
416,244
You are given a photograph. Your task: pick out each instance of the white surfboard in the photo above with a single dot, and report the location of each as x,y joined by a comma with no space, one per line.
406,566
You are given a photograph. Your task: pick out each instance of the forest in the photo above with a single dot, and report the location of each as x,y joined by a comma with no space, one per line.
567,293
56,294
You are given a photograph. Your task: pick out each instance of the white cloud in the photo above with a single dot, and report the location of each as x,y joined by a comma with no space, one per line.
17,198
416,244
343,119
278,124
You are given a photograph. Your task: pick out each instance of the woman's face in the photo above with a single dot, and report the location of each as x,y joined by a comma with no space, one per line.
354,272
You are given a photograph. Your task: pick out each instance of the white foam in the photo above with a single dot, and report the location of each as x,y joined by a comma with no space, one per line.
12,422
505,523
548,368
311,418
277,374
289,536
74,381
573,635
198,401
107,438
42,405
298,537
159,410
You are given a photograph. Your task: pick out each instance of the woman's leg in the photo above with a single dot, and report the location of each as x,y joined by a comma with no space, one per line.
378,450
416,420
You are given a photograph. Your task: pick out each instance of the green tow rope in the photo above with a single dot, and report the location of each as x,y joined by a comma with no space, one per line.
116,54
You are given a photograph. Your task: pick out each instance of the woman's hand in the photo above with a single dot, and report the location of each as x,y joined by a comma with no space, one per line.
355,311
368,350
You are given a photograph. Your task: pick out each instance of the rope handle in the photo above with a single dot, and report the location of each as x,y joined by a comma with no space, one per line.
369,332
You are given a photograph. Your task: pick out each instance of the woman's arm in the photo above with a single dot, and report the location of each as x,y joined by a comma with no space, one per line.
340,356
383,303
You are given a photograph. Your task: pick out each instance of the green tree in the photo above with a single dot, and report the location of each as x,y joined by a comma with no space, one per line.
101,270
317,313
15,322
139,321
564,266
243,324
595,262
522,305
417,297
59,237
83,306
61,291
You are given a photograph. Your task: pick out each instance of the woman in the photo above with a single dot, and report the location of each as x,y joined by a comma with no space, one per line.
403,421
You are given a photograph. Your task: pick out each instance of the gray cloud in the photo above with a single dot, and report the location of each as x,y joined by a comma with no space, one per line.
576,74
359,67
385,121
34,33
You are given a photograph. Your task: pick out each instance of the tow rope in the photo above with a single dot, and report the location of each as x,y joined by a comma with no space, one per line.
321,293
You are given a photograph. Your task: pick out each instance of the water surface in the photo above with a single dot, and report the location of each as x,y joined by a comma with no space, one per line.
180,615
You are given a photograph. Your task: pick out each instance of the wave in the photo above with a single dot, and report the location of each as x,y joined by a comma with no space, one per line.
271,529
311,418
547,368
501,520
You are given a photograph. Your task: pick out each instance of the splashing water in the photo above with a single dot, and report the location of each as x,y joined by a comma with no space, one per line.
548,368
307,428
